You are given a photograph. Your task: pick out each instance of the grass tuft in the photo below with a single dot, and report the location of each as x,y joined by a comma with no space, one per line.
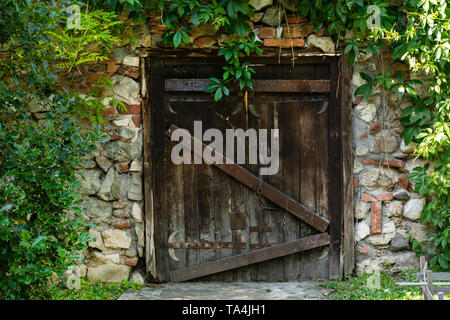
92,290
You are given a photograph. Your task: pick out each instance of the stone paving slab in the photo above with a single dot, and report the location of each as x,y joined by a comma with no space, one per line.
305,290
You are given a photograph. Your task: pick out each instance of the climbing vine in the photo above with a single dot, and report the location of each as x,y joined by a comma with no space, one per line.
418,33
181,16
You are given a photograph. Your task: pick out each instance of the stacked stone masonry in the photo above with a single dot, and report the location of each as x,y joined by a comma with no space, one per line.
386,208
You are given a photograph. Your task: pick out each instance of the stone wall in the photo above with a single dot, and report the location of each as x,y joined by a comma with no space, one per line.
112,180
113,185
386,210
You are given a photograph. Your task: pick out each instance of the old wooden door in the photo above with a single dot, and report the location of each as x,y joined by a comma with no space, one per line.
209,221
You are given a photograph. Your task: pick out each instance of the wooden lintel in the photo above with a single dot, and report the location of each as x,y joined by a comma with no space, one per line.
251,257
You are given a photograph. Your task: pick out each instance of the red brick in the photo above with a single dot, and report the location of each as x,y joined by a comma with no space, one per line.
364,250
385,196
93,77
131,261
123,166
205,41
375,216
120,213
112,60
131,109
298,31
357,100
371,162
130,72
284,43
363,136
367,197
403,182
123,225
293,19
355,182
137,120
396,163
155,21
320,33
158,29
402,67
375,128
113,135
108,112
119,204
112,68
266,32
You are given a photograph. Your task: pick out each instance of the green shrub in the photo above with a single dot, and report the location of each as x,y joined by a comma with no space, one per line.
41,230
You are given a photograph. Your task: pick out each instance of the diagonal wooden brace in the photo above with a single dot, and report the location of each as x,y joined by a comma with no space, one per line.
269,192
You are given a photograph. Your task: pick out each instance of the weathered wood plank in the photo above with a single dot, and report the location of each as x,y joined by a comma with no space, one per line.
308,144
438,276
322,158
272,270
252,257
150,258
290,171
335,186
158,159
175,208
269,192
347,166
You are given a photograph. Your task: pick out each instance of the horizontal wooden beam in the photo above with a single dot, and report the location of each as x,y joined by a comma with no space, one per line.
275,85
268,191
217,245
245,259
439,276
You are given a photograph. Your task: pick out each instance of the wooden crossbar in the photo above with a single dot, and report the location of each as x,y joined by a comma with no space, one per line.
244,259
275,85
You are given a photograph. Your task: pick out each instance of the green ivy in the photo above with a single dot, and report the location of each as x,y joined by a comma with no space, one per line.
418,33
181,16
42,230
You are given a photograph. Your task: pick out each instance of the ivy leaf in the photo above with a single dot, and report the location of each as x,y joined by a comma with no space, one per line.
366,77
232,9
176,39
242,28
218,94
442,262
365,90
38,240
212,88
195,19
214,80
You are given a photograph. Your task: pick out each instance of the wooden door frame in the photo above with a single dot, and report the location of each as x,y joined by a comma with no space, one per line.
341,231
